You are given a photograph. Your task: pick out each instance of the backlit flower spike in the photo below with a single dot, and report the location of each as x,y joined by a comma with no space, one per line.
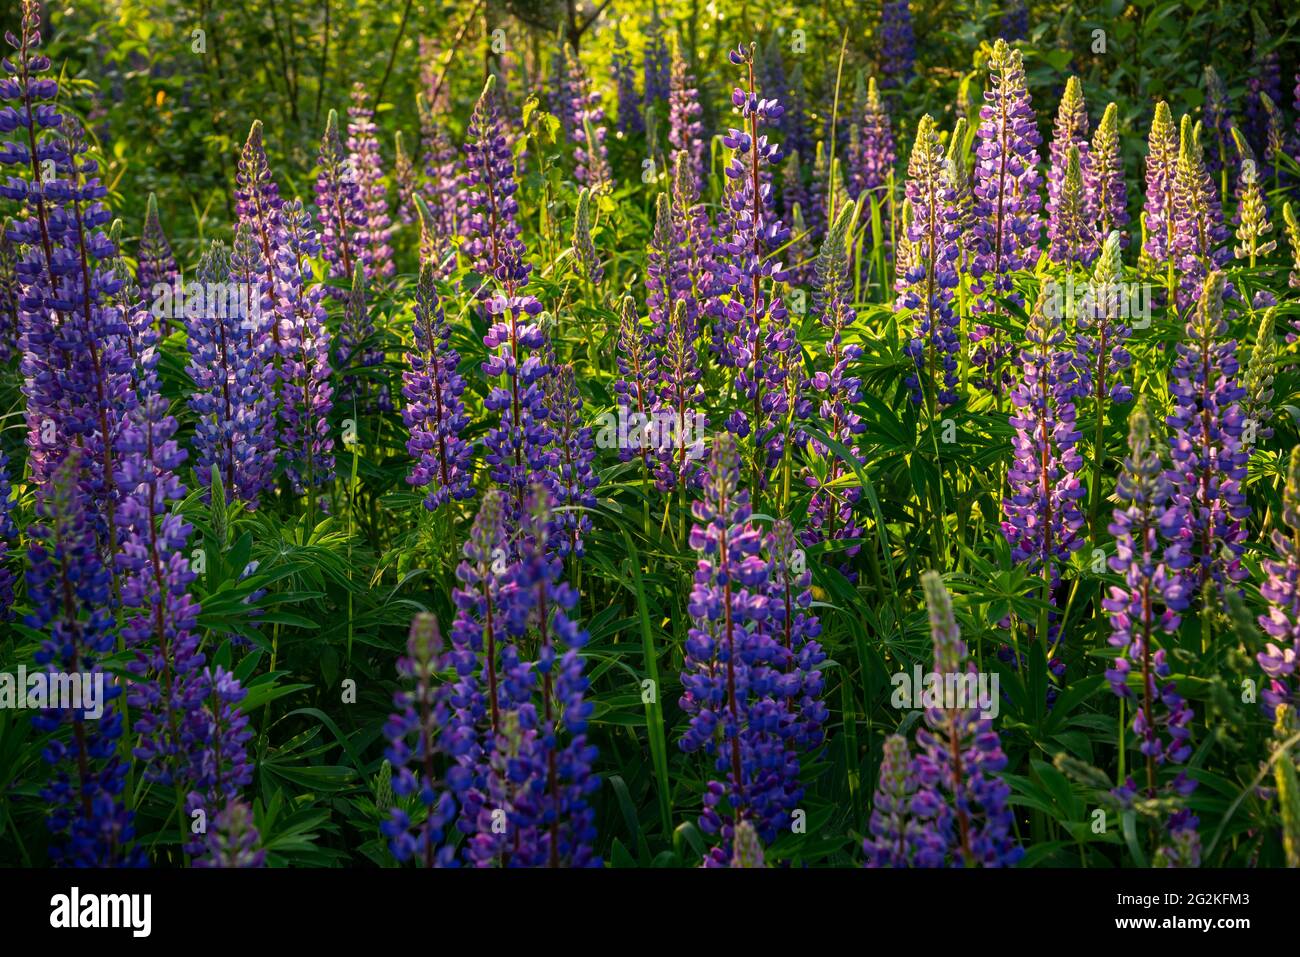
1200,236
590,159
1104,179
960,804
960,165
685,129
69,597
1274,140
1281,589
893,830
1103,330
691,223
1161,170
1069,130
306,392
796,627
441,185
1071,241
748,850
656,65
367,167
678,407
493,247
1146,611
630,120
636,388
338,205
574,452
1208,455
1258,385
878,156
404,179
1044,517
1293,240
931,278
584,248
258,202
434,411
1007,202
418,734
156,262
897,44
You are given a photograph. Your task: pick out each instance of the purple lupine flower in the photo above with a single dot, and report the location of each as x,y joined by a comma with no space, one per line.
751,327
442,180
1104,180
1208,455
796,628
8,534
258,202
215,734
517,443
1007,222
584,247
1183,843
573,455
404,180
796,128
493,247
367,167
1014,22
338,205
230,350
630,120
306,395
685,131
928,287
655,65
1042,505
1145,612
232,840
636,387
960,803
668,272
1199,245
355,348
1159,220
893,829
733,667
1068,209
870,166
1265,78
1218,120
897,44
793,193
417,734
590,160
69,593
156,262
559,91
435,412
691,226
677,412
1281,589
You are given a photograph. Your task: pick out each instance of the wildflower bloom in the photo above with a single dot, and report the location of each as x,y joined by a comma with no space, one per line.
1254,225
440,188
1042,505
1208,454
357,350
685,132
1104,179
1199,236
156,262
573,455
635,389
629,101
258,202
678,403
894,834
1218,120
232,839
584,248
491,225
656,66
435,411
68,591
1281,589
1068,208
960,803
8,533
1161,171
873,161
367,168
1146,610
587,130
1265,80
1007,223
897,43
338,204
215,734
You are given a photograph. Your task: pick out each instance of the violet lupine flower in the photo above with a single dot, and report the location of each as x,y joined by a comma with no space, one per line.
1103,333
732,675
417,734
894,831
516,445
636,387
897,44
338,205
751,328
1281,589
1159,220
1014,22
630,120
1145,612
306,395
8,534
215,735
491,224
1199,245
1071,240
668,272
695,234
441,185
1183,842
368,170
960,803
1042,506
435,412
1104,180
232,840
230,354
1218,120
793,191
928,287
656,67
1265,78
870,166
161,617
796,128
156,262
590,160
69,592
574,451
559,92
1067,209
796,628
685,131
258,202
1207,452
1007,223
677,410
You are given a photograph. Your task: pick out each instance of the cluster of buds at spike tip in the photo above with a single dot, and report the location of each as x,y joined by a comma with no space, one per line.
583,247
1253,225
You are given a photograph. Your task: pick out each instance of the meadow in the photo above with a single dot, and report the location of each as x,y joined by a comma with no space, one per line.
557,434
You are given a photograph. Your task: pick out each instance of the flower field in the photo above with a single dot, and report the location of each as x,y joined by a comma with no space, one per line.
556,434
